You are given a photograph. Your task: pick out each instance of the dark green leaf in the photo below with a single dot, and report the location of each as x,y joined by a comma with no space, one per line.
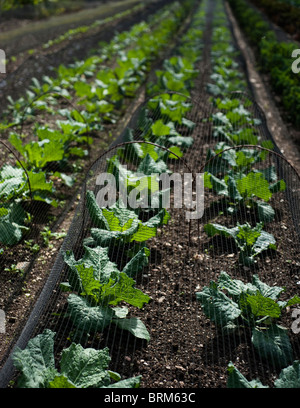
273,345
289,377
237,380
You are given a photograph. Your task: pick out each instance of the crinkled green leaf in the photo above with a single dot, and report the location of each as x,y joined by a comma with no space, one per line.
175,152
142,178
79,367
280,185
137,262
149,166
12,182
271,292
295,300
42,190
38,154
181,141
98,259
217,185
233,190
269,174
89,318
273,345
121,312
289,377
245,136
90,286
124,224
250,240
85,367
234,287
114,292
265,212
217,306
263,306
212,229
12,223
147,230
254,184
86,317
160,129
248,235
263,242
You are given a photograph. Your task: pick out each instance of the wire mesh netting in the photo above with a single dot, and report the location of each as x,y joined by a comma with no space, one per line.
16,223
165,313
40,61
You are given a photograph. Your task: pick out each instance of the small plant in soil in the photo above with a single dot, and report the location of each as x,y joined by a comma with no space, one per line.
100,288
232,304
241,191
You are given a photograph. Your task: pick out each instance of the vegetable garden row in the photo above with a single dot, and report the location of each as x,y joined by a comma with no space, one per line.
67,112
103,97
72,34
274,57
143,295
284,14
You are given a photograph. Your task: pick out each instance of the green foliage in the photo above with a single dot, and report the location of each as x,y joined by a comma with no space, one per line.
246,190
171,107
52,145
97,260
12,183
14,190
119,223
274,56
289,377
89,318
78,367
232,304
251,241
237,380
101,287
12,223
13,4
48,235
101,97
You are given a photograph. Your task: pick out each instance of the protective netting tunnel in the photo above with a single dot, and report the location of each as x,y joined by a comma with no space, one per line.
34,183
160,287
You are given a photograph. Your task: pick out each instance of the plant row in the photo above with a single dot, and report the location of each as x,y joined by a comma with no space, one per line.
98,287
42,8
274,57
285,15
245,182
100,93
73,33
99,284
